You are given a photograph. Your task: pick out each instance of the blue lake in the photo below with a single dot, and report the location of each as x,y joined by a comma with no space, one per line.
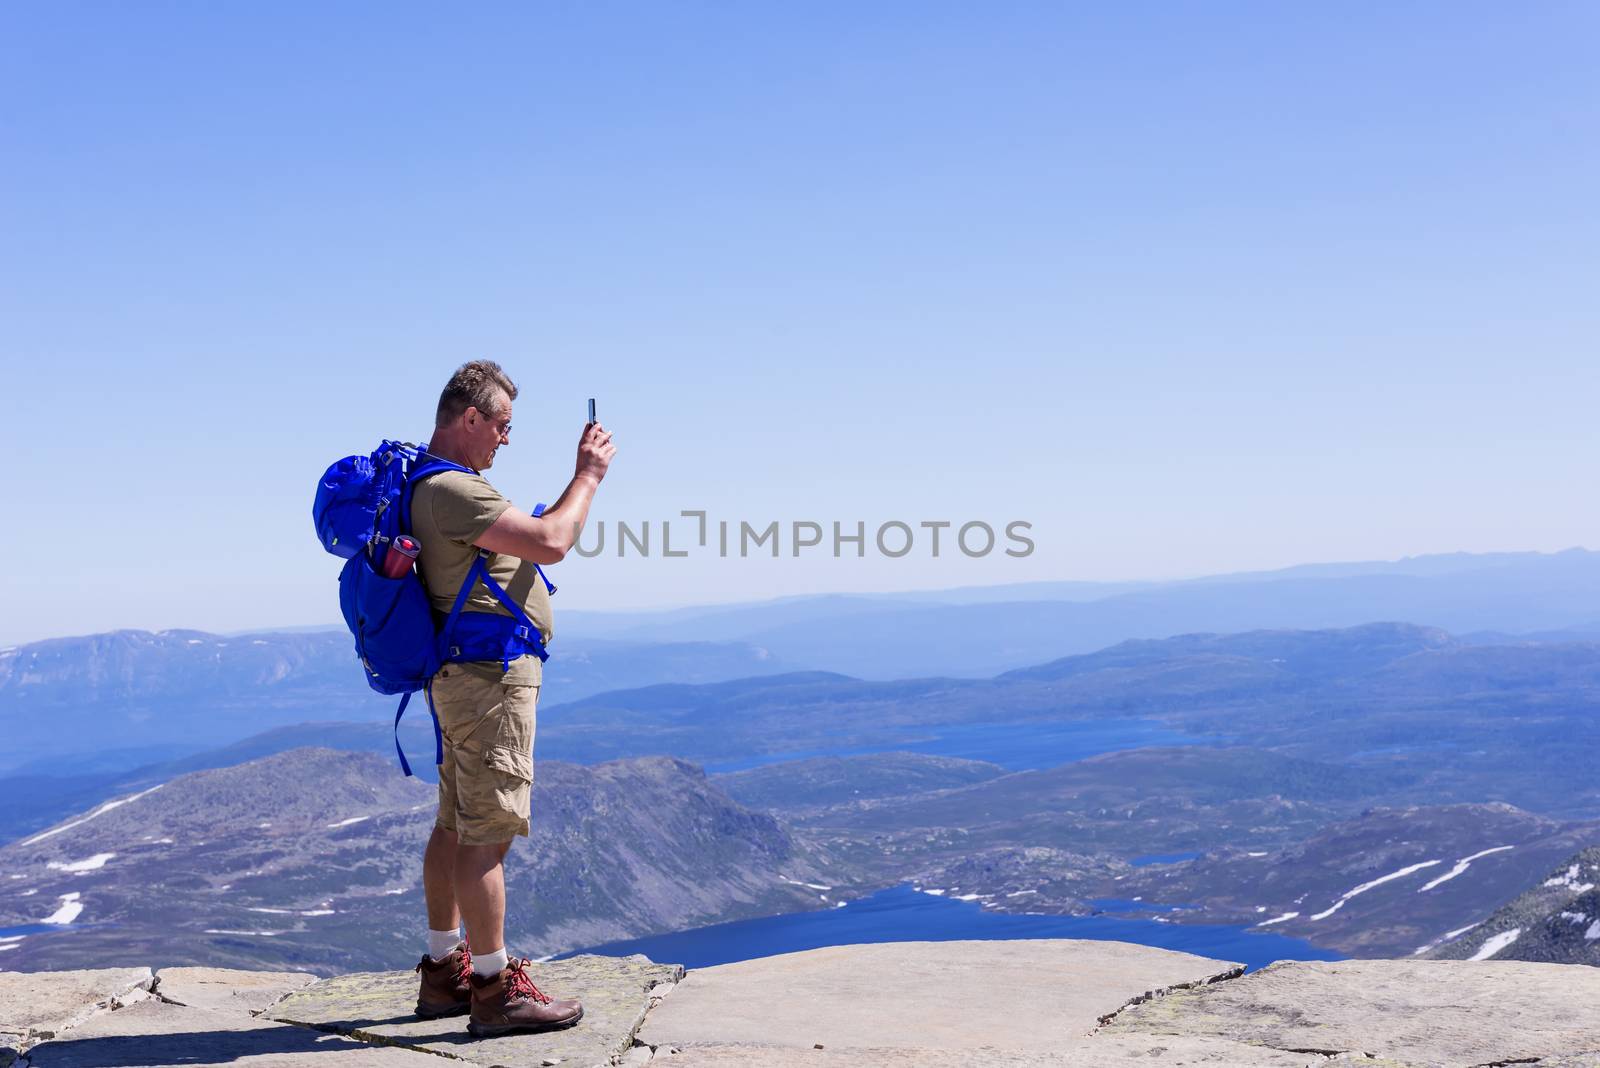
28,929
902,914
1014,746
1128,904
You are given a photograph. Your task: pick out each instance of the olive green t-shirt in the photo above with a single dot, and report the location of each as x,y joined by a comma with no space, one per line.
449,511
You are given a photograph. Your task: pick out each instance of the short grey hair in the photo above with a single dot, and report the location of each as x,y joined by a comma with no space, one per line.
476,384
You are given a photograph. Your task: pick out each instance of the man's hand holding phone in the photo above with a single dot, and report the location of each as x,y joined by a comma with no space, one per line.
594,452
547,538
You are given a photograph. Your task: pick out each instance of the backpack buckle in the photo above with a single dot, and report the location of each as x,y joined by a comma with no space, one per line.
521,632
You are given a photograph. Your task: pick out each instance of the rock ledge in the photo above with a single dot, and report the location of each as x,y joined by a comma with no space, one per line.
1017,1004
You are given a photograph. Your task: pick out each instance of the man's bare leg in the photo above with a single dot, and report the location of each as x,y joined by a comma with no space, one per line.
439,880
480,893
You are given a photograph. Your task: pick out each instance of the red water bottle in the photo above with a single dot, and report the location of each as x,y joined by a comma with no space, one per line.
401,555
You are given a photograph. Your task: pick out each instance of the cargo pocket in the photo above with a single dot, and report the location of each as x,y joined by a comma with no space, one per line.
511,776
508,751
516,720
508,761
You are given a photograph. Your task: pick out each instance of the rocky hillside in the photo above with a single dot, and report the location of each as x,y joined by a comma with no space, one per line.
311,859
1556,920
1183,835
1388,883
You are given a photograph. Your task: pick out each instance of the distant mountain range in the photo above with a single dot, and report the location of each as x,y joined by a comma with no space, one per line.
120,700
311,859
130,697
1435,719
1448,720
978,632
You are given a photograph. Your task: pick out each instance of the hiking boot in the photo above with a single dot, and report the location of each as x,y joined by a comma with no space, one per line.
446,984
510,1002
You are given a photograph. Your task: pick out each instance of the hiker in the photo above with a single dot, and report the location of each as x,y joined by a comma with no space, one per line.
485,708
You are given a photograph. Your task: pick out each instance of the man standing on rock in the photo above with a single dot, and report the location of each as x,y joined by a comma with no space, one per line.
486,709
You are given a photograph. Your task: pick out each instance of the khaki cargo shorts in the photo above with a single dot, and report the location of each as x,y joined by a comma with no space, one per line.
486,779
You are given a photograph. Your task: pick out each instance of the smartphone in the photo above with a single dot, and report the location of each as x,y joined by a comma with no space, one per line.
591,409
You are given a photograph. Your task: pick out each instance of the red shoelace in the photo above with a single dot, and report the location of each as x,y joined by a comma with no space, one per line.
521,986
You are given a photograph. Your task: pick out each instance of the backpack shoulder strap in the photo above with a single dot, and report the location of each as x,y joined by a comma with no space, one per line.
414,478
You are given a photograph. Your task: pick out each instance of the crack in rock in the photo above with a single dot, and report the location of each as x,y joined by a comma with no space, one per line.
1150,995
369,1037
155,991
36,1036
1319,1052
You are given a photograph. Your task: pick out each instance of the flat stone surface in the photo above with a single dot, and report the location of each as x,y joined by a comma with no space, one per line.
1418,1012
153,1032
228,989
1078,1053
38,1004
379,1007
1023,995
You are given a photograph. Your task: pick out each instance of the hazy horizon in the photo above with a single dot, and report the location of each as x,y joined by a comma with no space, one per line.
335,623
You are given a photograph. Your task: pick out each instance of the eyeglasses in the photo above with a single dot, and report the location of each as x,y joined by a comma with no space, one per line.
501,427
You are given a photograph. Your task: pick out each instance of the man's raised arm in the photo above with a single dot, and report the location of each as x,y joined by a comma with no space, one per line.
546,539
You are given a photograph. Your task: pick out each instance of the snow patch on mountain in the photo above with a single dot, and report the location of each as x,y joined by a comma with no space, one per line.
1447,936
77,866
71,908
102,810
1364,887
1461,866
1495,943
797,882
1569,879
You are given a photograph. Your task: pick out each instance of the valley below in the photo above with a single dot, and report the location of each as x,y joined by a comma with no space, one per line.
1378,791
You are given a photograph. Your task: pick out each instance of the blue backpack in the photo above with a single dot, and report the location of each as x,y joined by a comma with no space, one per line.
363,503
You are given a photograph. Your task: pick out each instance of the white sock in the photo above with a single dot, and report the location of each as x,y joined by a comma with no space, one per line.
440,943
486,964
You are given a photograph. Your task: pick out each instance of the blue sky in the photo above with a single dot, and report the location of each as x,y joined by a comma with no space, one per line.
1189,287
